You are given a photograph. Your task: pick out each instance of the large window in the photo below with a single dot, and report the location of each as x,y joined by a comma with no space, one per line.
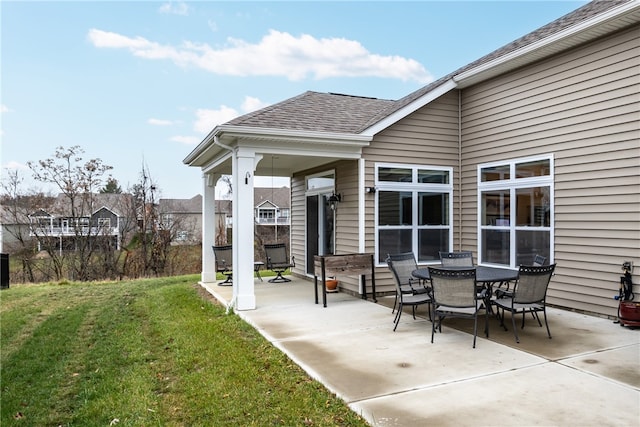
515,205
413,210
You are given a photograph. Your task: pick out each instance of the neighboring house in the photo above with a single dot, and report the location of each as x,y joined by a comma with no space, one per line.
183,217
531,149
102,216
15,231
272,206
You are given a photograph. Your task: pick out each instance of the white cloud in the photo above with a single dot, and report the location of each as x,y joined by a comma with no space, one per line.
177,8
276,54
251,103
159,122
187,140
4,109
13,165
208,119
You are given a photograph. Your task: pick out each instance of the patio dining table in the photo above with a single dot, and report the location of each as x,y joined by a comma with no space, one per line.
488,276
484,274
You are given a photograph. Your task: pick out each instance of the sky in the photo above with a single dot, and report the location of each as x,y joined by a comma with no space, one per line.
141,83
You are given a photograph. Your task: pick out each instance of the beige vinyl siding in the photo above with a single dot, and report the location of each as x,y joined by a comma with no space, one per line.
583,108
298,222
428,136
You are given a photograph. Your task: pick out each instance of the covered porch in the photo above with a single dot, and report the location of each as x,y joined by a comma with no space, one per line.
245,153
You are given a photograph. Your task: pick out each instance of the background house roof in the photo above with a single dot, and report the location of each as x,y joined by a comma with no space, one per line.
119,204
280,197
192,205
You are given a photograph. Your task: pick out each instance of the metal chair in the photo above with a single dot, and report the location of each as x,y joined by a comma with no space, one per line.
402,265
224,262
529,294
454,295
278,261
456,259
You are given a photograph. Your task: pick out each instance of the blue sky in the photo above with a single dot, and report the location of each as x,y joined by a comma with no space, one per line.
143,82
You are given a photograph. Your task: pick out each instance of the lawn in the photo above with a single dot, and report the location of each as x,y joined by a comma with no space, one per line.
146,352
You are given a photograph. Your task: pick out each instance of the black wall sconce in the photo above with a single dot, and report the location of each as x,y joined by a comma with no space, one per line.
334,199
370,190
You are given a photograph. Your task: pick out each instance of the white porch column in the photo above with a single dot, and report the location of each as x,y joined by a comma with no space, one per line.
208,228
243,238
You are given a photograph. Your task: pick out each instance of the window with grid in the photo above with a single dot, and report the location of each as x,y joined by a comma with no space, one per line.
413,210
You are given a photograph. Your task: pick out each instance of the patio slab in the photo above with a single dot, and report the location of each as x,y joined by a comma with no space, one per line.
587,374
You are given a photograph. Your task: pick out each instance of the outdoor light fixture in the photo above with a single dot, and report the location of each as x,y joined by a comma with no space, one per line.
370,190
334,199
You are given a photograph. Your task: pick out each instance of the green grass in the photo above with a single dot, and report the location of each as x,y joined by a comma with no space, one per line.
149,352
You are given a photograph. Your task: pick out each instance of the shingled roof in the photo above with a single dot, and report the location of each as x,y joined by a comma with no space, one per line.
338,113
316,112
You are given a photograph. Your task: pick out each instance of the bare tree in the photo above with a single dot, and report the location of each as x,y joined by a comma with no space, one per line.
17,205
77,182
152,241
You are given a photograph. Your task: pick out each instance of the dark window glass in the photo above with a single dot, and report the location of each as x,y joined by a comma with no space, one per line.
536,168
394,174
393,242
394,208
433,209
495,173
431,242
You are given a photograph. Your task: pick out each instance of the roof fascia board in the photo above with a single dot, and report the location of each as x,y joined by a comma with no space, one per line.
248,132
474,73
410,108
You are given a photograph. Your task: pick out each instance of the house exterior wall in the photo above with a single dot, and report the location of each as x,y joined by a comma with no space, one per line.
582,107
428,136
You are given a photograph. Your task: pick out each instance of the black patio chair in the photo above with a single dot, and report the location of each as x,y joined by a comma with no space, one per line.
224,262
402,265
278,260
454,295
456,259
529,294
409,292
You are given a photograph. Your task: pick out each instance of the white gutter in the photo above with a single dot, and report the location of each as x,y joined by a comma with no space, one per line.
217,142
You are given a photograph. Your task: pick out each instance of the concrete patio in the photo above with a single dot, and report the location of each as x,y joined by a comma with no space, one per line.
588,374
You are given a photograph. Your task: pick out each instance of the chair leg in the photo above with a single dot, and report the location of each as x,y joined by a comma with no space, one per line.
398,314
475,329
279,278
544,312
433,327
513,323
395,304
227,282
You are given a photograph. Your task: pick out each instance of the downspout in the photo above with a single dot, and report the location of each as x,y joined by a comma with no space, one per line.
459,169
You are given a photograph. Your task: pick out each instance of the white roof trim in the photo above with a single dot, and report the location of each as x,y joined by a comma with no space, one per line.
410,108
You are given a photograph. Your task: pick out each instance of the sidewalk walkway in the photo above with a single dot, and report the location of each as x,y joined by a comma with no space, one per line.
587,375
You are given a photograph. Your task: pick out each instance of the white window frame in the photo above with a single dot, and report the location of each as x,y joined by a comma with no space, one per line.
512,184
414,187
